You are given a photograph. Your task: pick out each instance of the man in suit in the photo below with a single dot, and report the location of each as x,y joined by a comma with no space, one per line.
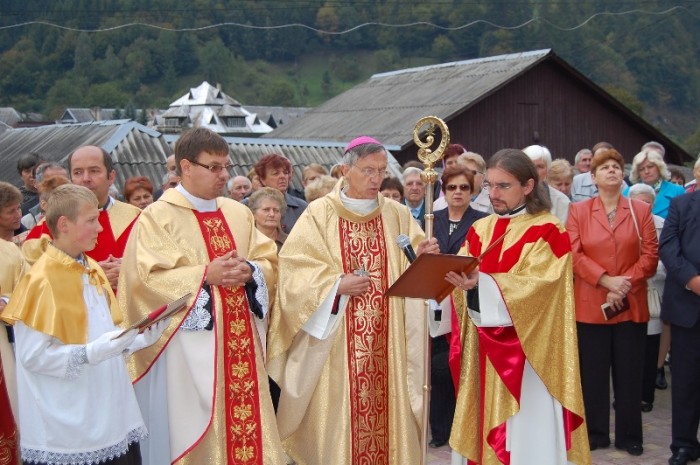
680,254
414,194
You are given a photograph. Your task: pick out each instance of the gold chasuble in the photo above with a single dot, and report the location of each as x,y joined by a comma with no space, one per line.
12,266
354,397
216,397
532,270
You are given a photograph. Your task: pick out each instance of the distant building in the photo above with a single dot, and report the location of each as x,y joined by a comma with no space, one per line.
92,115
488,104
277,116
11,118
209,107
135,149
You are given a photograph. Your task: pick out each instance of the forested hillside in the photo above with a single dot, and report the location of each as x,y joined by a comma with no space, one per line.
145,53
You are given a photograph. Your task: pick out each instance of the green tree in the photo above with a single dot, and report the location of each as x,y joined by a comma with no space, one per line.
280,92
105,95
443,49
326,83
84,61
215,61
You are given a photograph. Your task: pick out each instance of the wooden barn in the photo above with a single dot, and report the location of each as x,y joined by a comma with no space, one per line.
488,104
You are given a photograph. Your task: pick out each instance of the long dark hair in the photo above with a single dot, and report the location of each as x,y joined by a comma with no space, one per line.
519,165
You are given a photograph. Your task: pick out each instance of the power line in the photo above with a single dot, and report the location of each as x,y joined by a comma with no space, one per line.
359,26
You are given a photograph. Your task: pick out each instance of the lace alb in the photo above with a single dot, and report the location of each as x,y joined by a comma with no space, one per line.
84,458
199,318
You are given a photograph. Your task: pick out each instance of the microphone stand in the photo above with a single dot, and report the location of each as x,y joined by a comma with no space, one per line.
428,156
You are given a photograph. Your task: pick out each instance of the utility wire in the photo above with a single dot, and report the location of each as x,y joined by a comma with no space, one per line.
359,26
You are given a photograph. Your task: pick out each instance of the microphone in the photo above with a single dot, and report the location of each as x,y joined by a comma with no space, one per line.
404,242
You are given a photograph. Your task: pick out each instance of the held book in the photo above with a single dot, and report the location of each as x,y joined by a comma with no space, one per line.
425,277
610,312
159,314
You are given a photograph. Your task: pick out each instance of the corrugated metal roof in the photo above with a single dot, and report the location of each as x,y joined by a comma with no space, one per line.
141,151
246,151
136,149
388,105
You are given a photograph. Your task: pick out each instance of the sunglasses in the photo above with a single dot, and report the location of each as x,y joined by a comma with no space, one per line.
462,187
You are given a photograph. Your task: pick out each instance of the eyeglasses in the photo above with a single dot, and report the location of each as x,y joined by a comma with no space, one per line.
454,187
374,172
216,169
501,186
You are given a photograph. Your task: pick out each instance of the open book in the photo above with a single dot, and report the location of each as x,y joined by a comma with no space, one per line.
425,278
159,314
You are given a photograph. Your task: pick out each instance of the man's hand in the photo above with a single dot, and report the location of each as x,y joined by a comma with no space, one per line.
351,284
111,267
463,281
229,270
694,284
428,246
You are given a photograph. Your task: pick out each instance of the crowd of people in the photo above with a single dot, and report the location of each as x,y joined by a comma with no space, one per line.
289,349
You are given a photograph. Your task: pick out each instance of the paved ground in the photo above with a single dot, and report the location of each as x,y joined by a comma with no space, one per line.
657,437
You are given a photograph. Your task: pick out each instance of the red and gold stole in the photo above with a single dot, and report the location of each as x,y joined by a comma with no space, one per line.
8,429
107,244
367,327
241,402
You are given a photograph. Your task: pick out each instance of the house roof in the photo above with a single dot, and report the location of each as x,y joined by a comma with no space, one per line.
136,149
277,116
205,106
205,94
10,116
388,105
246,151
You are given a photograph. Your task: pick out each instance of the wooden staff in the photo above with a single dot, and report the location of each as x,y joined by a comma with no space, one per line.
428,156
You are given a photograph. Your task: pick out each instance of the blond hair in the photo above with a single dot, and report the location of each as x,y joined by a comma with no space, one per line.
475,158
560,170
319,187
67,200
655,157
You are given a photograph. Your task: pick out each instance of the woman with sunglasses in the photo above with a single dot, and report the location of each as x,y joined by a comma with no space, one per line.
451,226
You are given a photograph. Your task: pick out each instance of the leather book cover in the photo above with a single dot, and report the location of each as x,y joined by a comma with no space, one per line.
425,278
610,312
161,313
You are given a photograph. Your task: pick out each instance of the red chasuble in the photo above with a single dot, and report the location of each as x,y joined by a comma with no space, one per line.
242,403
367,327
106,245
8,429
501,346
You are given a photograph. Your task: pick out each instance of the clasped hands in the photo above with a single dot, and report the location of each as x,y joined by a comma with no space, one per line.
229,270
618,287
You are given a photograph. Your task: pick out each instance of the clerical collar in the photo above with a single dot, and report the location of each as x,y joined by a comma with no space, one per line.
201,205
108,204
359,206
517,211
